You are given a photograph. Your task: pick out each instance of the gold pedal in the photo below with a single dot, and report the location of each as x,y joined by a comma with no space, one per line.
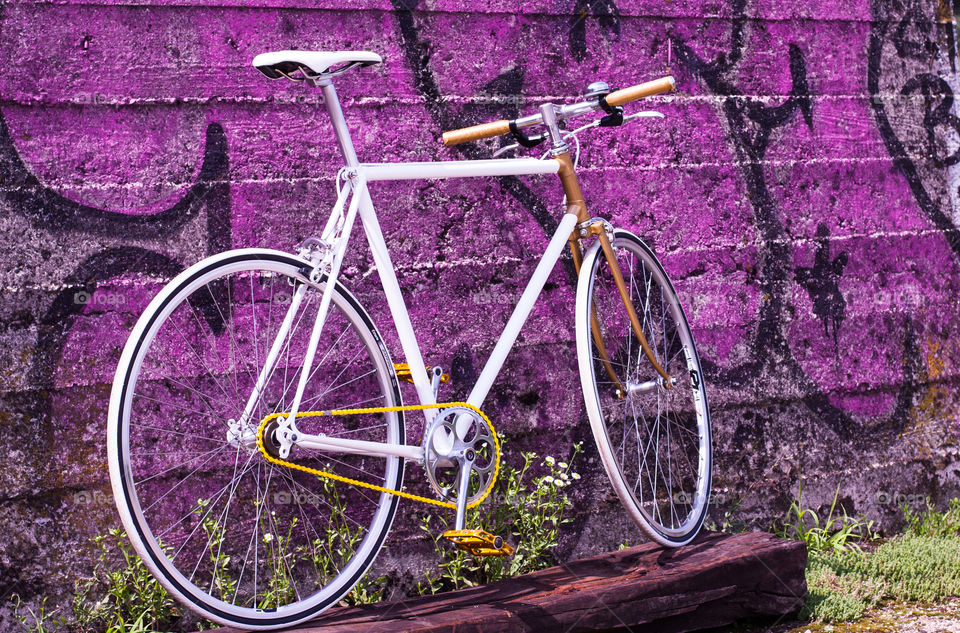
403,372
479,542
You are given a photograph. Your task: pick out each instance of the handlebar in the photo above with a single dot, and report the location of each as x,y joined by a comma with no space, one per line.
646,89
612,99
476,132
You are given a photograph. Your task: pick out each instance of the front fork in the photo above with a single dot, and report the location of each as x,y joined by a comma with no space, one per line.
601,229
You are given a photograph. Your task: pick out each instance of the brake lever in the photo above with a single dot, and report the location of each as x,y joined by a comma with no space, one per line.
505,149
614,118
644,114
523,139
614,115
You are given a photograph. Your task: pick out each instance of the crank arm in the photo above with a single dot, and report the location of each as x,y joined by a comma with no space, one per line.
462,494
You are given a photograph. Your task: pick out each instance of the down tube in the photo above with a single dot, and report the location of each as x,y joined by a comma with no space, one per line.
520,313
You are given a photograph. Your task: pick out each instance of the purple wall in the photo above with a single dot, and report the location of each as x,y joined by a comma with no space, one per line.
803,192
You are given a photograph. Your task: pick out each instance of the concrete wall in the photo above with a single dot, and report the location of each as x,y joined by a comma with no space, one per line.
803,193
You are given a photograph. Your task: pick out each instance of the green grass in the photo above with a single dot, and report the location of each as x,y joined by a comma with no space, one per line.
843,578
909,567
837,533
921,565
122,596
933,523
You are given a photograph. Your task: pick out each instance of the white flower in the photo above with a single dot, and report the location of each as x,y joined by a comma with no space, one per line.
549,460
562,464
548,479
267,537
565,476
560,483
575,475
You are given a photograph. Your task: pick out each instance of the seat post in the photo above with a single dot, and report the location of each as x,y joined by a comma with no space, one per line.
339,122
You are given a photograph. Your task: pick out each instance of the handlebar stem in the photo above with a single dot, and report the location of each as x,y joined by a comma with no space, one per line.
548,113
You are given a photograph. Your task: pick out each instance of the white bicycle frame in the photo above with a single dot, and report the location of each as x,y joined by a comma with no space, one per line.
339,227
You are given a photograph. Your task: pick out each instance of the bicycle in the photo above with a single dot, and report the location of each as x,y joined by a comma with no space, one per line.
257,436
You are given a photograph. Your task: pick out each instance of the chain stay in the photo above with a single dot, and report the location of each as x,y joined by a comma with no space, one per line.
399,493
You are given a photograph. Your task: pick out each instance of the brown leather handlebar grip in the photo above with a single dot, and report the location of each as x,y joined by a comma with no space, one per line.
475,132
647,89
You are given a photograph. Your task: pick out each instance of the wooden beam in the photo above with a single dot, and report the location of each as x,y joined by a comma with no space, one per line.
717,579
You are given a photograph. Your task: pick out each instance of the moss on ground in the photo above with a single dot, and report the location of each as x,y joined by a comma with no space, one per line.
920,566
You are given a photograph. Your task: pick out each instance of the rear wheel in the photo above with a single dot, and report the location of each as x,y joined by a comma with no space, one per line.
238,539
654,441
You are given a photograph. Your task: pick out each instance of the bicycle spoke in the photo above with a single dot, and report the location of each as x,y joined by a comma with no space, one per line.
208,490
212,452
654,432
172,432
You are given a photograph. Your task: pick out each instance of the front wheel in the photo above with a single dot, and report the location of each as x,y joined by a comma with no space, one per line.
654,439
237,538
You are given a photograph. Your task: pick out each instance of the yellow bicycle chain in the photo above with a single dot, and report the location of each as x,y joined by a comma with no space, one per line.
406,495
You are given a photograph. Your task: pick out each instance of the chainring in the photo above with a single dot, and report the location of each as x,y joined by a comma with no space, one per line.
460,438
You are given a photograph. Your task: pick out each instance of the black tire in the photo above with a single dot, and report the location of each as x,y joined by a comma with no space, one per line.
234,537
655,442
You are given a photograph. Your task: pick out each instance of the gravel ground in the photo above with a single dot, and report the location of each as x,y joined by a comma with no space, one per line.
897,617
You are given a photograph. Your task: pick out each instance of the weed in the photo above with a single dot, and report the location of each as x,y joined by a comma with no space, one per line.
836,534
920,565
933,523
122,596
530,510
336,547
39,621
729,525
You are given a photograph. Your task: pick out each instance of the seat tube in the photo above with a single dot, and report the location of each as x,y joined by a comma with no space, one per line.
340,129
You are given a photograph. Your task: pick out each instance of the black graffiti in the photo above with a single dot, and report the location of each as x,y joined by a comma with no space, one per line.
882,11
912,35
47,209
821,281
749,127
56,323
417,53
607,15
937,103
